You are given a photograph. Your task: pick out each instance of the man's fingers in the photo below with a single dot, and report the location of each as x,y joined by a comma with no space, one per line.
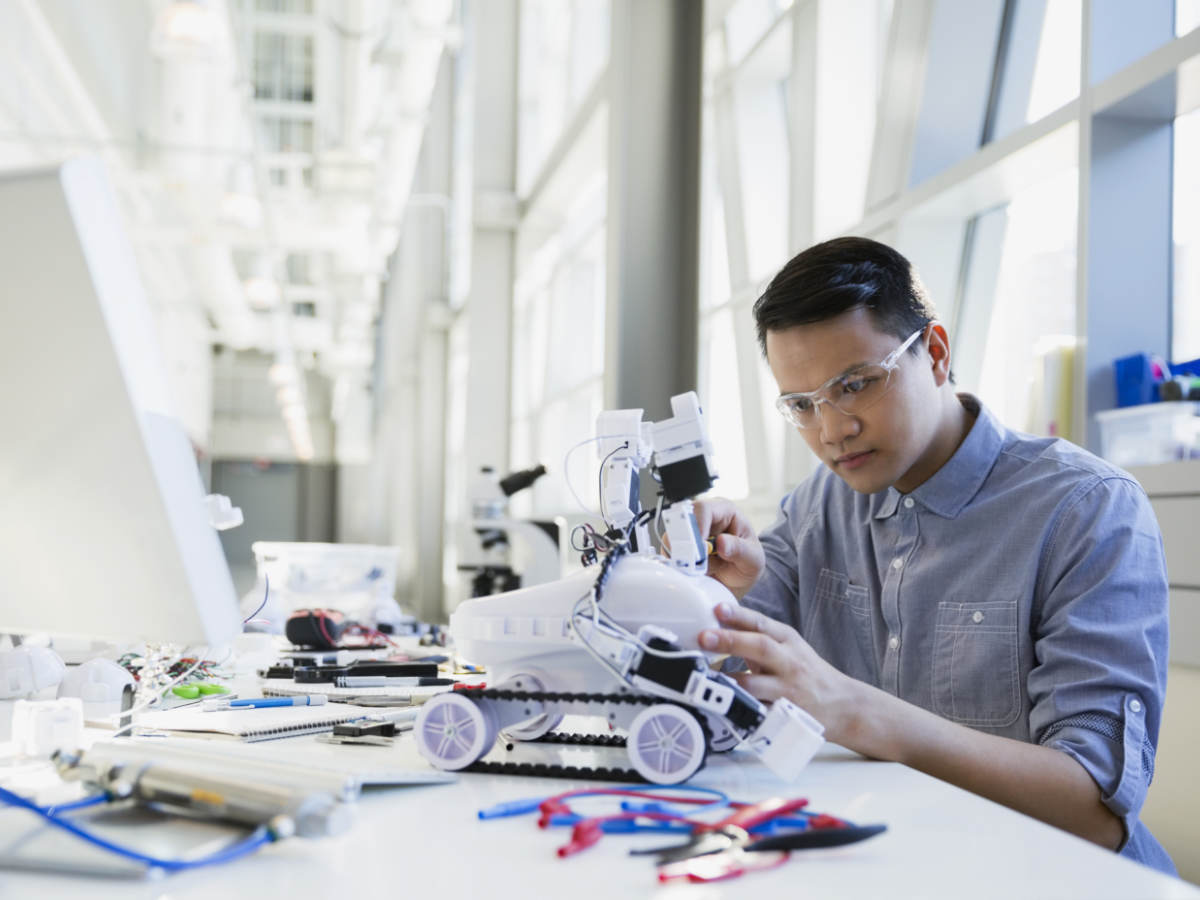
763,653
746,619
765,687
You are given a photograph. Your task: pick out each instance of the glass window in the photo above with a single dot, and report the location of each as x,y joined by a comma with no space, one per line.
720,395
745,23
1185,301
283,67
1056,72
760,113
1026,371
1187,16
715,288
564,47
851,44
558,356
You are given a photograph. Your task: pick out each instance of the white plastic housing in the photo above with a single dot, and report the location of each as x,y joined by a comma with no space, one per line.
528,631
787,740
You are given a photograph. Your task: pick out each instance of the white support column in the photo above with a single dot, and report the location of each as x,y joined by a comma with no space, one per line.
493,45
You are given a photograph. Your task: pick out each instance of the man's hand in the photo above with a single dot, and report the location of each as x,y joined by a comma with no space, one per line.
739,558
782,664
1039,781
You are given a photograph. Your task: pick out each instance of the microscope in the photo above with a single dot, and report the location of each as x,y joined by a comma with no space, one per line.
538,550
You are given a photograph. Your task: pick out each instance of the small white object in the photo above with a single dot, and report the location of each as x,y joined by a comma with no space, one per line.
1135,705
100,685
977,617
689,553
908,502
893,642
787,740
222,514
25,671
897,563
254,650
39,727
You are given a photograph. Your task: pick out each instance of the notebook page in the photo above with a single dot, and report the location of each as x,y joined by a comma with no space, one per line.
250,724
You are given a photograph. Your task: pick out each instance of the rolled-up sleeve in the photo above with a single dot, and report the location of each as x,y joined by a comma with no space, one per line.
1100,641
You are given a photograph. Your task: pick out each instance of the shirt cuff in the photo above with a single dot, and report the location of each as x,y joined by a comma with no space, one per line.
1114,751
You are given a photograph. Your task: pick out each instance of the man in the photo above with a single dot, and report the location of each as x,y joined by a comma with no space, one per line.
982,605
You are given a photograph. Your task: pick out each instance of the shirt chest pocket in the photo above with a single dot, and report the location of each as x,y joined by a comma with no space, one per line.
839,626
975,663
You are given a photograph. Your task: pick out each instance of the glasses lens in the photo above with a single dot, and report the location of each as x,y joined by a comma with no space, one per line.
860,389
799,409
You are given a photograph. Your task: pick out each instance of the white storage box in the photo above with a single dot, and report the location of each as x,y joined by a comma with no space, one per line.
358,580
1150,434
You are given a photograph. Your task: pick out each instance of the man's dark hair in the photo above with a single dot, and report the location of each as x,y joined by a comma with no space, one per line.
837,276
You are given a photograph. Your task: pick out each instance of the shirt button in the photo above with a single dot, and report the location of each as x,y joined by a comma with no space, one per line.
894,642
1135,705
977,617
908,502
897,563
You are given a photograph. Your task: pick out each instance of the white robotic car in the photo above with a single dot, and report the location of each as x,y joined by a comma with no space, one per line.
618,639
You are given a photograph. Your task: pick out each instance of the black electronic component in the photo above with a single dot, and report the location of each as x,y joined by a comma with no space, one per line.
366,729
672,672
323,674
746,715
685,479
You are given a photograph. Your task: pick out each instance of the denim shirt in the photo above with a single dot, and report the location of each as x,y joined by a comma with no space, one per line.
1020,591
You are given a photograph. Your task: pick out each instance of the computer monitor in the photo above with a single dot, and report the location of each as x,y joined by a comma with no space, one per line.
103,528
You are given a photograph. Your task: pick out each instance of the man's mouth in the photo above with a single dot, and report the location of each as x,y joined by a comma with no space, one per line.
854,460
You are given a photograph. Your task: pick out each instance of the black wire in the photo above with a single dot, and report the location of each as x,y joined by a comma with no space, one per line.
600,479
266,594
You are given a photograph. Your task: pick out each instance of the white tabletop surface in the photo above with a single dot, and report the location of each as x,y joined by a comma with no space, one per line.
427,841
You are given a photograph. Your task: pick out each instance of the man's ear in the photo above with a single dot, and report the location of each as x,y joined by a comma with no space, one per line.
939,352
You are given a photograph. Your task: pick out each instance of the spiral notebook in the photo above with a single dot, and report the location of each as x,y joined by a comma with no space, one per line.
249,724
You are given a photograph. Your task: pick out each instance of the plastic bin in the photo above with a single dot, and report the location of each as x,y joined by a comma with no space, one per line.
358,580
1150,434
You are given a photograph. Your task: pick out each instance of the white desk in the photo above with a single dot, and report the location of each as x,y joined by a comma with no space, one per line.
427,842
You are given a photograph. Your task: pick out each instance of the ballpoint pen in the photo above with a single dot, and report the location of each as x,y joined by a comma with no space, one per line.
262,702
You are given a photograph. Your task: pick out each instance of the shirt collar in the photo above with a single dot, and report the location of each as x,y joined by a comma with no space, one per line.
959,479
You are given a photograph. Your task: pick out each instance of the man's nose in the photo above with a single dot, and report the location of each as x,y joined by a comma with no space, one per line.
836,425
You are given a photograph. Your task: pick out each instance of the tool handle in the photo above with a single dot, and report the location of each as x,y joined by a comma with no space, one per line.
818,837
750,816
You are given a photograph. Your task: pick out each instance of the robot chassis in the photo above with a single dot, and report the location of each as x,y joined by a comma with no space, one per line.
617,640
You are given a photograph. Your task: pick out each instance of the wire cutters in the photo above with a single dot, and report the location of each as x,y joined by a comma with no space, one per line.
765,853
728,832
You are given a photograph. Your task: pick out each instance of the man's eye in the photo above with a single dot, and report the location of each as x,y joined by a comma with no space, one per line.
800,404
856,385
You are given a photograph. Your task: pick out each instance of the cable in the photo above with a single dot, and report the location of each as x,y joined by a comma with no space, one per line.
567,463
600,479
257,838
266,594
78,804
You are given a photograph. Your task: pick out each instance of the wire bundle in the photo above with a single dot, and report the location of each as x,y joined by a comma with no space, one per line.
54,815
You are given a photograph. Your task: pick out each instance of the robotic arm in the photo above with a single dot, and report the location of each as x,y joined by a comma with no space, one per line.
681,454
